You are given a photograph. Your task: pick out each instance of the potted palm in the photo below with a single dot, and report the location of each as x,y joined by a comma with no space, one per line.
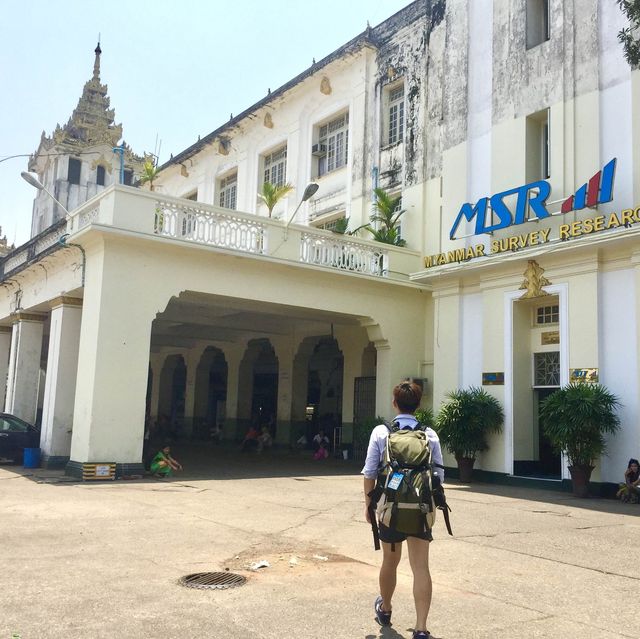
576,419
271,194
463,423
386,215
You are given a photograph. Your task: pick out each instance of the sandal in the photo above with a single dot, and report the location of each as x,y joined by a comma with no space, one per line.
382,616
421,634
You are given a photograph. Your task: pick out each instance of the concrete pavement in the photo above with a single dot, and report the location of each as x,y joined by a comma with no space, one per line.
103,559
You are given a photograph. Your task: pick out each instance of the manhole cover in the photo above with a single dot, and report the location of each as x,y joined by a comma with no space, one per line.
213,580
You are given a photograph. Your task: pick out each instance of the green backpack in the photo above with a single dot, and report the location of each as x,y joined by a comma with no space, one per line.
410,489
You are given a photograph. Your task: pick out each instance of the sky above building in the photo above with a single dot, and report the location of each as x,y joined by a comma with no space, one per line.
174,70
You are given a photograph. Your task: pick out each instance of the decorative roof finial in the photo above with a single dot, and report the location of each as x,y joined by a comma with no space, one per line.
96,64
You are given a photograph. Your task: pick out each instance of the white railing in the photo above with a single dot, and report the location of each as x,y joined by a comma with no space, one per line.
215,228
340,253
16,260
88,215
50,239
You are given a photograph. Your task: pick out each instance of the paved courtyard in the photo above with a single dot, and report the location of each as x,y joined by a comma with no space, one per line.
104,559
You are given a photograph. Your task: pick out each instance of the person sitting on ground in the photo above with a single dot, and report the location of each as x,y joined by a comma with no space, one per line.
250,441
163,464
630,490
264,439
321,445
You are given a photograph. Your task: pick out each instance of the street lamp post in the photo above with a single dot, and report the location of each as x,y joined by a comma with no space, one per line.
308,192
35,182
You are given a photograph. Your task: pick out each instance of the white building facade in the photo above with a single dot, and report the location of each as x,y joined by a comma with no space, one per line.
188,304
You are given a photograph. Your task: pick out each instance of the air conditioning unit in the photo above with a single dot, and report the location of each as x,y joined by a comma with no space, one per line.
319,150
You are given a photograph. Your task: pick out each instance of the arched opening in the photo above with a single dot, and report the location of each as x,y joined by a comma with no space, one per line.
324,387
171,405
258,386
210,392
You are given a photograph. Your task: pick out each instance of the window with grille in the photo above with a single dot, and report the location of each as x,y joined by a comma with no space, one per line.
128,177
396,115
73,176
330,225
335,137
275,167
100,175
228,191
548,314
546,369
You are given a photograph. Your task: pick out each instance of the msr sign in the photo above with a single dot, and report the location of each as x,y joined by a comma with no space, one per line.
531,201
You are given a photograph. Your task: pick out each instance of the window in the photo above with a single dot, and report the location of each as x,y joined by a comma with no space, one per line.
548,314
538,142
332,224
396,114
334,140
228,191
546,369
73,176
275,167
537,22
100,175
128,177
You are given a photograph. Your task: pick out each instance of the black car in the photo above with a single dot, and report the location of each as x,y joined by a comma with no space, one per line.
15,436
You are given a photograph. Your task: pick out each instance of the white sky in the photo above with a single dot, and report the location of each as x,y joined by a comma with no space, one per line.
174,69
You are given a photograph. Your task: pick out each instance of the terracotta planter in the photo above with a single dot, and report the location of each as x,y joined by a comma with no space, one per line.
465,468
580,476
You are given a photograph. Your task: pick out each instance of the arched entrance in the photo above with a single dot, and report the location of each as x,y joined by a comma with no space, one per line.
210,392
324,387
258,386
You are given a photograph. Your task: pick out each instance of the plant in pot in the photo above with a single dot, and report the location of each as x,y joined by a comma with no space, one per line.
576,419
463,423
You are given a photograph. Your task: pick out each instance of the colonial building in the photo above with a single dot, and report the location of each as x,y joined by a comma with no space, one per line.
509,129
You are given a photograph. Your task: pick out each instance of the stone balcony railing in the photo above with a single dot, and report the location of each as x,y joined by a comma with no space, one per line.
150,214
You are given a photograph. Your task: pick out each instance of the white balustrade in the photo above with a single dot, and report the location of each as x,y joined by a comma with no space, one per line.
87,216
50,239
16,260
215,228
338,252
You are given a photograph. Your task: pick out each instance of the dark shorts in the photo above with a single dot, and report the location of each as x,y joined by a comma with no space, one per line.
389,536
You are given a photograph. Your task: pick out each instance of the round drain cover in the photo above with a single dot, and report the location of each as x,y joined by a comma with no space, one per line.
213,580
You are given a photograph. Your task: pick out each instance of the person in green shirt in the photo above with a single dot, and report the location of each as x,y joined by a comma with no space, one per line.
163,465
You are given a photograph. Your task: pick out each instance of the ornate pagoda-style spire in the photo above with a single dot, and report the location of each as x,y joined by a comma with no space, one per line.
96,64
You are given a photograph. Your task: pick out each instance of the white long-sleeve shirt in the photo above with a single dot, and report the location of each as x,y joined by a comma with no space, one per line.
378,443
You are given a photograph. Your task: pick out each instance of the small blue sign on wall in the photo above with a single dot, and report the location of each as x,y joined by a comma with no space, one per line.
493,379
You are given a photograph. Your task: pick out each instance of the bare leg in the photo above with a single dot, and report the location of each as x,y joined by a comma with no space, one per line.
422,588
390,561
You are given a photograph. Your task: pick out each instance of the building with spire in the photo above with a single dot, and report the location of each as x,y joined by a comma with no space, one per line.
195,304
78,160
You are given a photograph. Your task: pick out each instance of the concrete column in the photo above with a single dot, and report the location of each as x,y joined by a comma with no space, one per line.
113,363
446,347
60,385
191,360
233,355
24,366
5,350
284,349
156,361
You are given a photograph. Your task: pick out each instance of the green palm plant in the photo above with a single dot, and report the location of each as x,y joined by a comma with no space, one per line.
576,419
271,194
149,173
386,215
463,423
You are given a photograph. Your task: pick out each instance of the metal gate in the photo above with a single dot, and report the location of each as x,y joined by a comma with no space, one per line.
364,399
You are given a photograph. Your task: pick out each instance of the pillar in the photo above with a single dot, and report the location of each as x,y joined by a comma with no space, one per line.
60,385
24,366
233,354
113,365
156,360
5,349
191,360
284,349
